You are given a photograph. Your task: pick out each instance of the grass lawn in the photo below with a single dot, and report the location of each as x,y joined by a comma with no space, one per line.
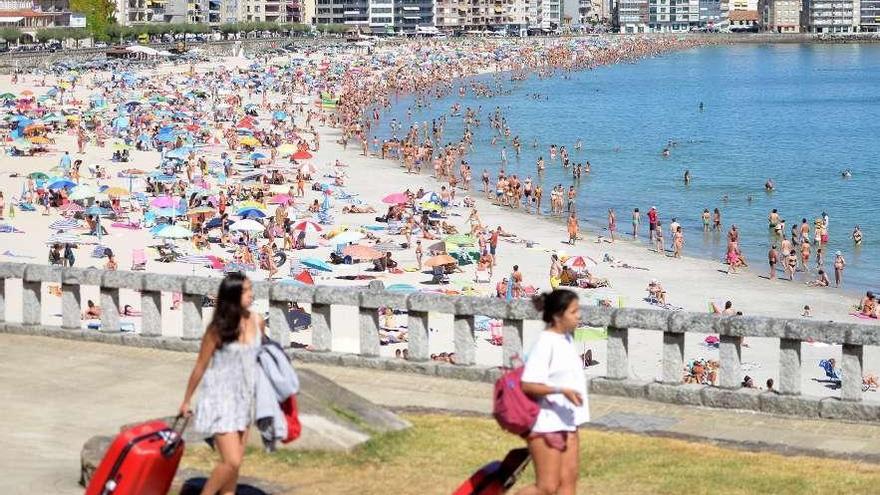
440,451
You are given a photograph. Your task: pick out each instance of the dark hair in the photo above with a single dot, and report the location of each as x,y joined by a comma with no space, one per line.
552,304
228,312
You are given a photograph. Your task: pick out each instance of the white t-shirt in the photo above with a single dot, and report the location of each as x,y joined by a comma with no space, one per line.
554,361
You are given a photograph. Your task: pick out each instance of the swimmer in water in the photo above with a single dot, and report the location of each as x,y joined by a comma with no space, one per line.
665,152
687,176
857,235
846,174
769,186
701,106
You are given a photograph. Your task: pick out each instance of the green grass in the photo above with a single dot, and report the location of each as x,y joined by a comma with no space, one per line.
440,451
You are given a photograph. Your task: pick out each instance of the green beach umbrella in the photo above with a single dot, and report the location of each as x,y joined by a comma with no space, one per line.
7,96
38,176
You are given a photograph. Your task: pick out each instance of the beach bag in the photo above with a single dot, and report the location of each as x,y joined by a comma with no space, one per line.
291,415
514,411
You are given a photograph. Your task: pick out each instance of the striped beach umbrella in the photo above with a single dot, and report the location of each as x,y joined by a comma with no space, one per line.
308,226
63,238
64,224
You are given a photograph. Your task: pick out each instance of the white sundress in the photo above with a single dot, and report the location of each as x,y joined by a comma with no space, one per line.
226,396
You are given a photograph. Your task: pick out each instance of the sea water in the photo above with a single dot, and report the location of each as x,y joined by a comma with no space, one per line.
796,114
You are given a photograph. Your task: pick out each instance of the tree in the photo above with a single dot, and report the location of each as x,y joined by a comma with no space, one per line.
99,15
10,34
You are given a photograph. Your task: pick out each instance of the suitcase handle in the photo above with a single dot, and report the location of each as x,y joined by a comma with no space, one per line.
170,447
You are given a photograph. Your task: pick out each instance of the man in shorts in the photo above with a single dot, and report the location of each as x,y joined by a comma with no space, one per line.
652,222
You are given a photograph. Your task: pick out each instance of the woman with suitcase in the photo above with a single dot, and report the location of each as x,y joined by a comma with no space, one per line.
554,376
226,367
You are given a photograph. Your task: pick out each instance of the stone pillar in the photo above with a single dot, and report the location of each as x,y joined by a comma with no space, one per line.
463,331
3,299
71,307
851,387
322,336
192,317
512,342
279,329
730,354
789,366
151,313
31,312
673,357
369,331
109,309
417,333
618,353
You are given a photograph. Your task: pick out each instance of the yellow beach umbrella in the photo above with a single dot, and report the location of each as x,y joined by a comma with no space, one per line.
118,192
249,141
286,149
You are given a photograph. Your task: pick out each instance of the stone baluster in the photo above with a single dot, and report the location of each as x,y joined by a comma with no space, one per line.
370,302
465,342
466,308
153,284
730,355
72,280
8,271
195,289
418,306
322,324
650,319
111,282
32,288
673,357
851,387
789,366
618,353
518,310
280,297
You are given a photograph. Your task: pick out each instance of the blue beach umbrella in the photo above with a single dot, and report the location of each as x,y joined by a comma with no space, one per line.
61,184
316,264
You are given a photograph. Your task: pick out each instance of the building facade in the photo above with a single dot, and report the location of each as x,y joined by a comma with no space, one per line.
711,14
632,16
869,16
782,16
674,16
831,16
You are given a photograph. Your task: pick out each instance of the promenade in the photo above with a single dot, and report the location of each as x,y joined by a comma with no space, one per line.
58,393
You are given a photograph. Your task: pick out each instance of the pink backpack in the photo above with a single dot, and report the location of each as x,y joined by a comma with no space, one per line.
514,411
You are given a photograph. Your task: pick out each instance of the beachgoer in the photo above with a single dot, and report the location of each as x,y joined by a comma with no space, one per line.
554,376
772,259
572,228
226,367
612,223
839,265
636,221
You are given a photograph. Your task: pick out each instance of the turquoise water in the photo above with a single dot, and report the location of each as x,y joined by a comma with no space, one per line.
799,114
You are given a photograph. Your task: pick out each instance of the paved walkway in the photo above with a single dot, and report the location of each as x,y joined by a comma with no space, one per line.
58,393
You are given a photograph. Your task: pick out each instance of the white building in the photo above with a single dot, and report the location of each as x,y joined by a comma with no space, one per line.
831,16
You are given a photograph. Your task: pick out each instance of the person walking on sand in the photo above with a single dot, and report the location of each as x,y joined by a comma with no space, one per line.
636,221
677,242
572,228
772,259
612,223
554,376
227,367
839,265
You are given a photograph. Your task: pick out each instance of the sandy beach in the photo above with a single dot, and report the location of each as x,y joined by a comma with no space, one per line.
691,284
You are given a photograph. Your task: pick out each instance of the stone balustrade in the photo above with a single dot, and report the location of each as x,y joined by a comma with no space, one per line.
325,323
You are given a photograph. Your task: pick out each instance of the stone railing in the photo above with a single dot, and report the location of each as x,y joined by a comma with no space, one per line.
324,303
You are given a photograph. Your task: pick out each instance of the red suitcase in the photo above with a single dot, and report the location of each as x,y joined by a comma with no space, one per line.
496,477
142,460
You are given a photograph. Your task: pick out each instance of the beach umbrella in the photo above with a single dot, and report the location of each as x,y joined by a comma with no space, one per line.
64,238
281,199
7,96
179,153
360,252
302,155
305,277
64,224
61,184
308,226
200,210
308,169
395,198
248,141
39,140
165,212
347,237
439,260
70,208
163,202
82,192
117,192
257,212
38,176
286,149
258,156
316,264
247,225
174,232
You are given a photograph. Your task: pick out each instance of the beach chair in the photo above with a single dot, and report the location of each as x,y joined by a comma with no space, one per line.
138,260
830,372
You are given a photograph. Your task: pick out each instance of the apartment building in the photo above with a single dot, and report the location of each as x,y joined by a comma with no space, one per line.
674,16
781,16
711,14
869,16
831,16
632,16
